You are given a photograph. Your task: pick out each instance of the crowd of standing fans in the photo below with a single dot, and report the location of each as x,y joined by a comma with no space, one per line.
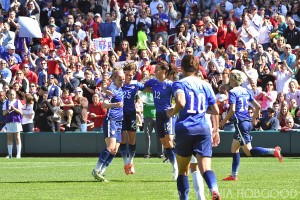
58,82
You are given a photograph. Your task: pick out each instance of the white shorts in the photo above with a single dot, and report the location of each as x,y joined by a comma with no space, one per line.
194,160
14,127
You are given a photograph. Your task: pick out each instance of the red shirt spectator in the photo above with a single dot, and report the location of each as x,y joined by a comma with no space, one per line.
97,112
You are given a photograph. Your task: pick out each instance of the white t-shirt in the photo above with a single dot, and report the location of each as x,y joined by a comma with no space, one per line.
28,114
282,81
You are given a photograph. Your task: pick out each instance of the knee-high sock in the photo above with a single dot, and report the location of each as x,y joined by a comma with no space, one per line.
198,185
9,149
172,157
211,181
235,164
183,187
260,151
132,149
107,163
102,158
19,147
123,150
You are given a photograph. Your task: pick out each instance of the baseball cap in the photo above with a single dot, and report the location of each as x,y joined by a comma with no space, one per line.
146,59
52,24
223,97
208,44
267,17
97,15
200,23
51,76
77,24
78,89
10,46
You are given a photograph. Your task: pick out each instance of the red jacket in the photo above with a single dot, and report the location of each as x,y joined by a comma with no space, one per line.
100,114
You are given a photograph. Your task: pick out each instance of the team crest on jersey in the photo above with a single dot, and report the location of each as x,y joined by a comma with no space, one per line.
132,87
164,87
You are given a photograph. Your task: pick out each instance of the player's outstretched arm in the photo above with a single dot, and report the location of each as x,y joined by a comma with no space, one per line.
180,103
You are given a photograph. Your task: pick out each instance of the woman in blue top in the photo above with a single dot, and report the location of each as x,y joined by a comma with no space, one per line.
112,126
162,94
130,89
239,99
194,98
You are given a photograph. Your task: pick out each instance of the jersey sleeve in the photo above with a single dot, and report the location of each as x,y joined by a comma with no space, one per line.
232,97
251,97
177,88
140,86
149,83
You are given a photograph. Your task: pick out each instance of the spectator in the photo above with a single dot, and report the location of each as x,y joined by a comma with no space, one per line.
7,38
28,113
88,86
31,76
247,33
279,8
283,114
78,33
10,54
294,108
33,9
210,32
67,104
53,88
2,102
5,72
231,38
288,56
294,92
83,102
97,113
44,117
58,113
260,54
21,80
283,74
267,97
108,28
292,34
264,32
76,117
160,23
270,122
290,125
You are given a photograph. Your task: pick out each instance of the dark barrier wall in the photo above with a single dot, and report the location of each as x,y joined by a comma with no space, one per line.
93,142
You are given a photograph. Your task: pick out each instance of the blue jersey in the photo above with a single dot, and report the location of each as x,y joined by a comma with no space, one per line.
115,113
241,98
129,92
162,94
199,95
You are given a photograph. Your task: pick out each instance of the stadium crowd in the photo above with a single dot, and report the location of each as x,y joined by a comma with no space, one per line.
61,79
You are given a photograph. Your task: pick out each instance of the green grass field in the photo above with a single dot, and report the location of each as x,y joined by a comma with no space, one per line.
70,178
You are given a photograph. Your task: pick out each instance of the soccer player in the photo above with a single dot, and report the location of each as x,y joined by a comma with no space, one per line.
162,94
130,89
112,126
194,98
239,99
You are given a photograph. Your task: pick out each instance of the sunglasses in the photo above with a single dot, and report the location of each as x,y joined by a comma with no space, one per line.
189,52
159,7
269,84
32,85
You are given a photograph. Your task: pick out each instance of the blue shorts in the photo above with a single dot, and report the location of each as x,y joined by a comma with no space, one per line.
112,129
165,125
242,132
129,122
186,145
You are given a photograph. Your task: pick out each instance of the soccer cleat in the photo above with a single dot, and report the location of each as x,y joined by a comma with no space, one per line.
131,169
18,156
216,195
230,178
127,169
98,176
9,156
166,160
146,156
277,153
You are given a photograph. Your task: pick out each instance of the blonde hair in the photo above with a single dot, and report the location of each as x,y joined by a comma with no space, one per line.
237,77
